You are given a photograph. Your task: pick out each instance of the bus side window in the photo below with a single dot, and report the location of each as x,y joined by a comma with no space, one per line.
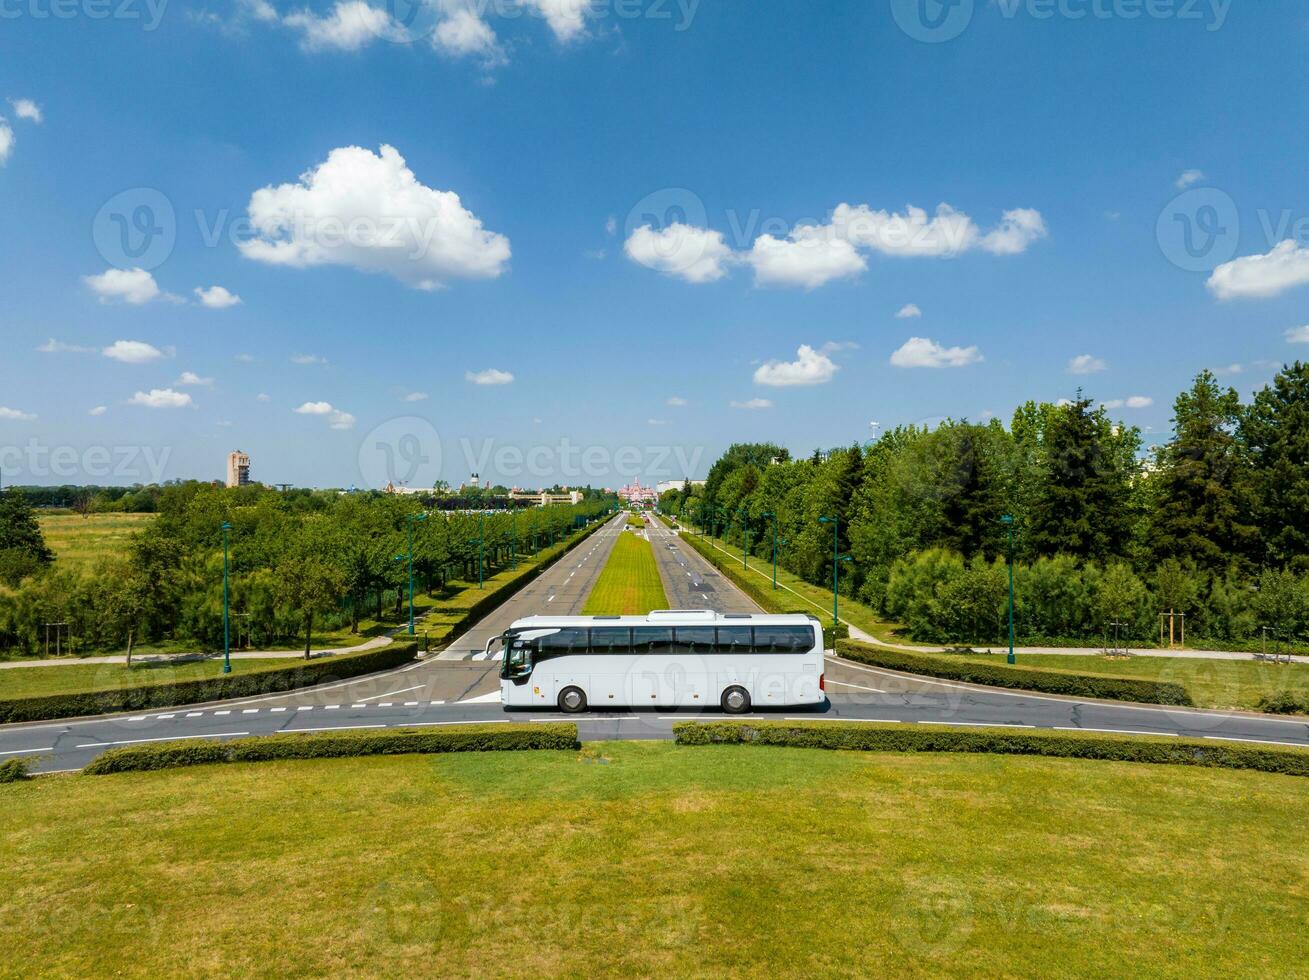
611,640
694,639
563,643
652,639
735,639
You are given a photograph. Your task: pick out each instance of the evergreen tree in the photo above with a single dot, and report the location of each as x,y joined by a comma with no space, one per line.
1084,486
22,546
1201,501
1276,430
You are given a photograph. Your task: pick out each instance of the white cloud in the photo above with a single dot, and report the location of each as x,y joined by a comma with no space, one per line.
135,286
656,421
1262,276
1086,364
314,408
1237,368
27,109
262,397
1298,335
132,352
350,25
920,352
189,379
1017,230
676,401
462,31
1135,401
53,346
611,225
808,258
161,398
567,18
369,211
259,9
1189,177
6,140
217,298
811,367
907,311
341,421
336,418
14,415
416,396
812,255
307,359
694,254
98,410
753,404
491,376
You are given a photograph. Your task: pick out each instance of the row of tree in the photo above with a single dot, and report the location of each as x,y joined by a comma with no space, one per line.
1225,499
295,562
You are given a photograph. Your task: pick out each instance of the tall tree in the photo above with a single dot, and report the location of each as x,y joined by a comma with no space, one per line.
1084,486
22,546
1202,501
1276,430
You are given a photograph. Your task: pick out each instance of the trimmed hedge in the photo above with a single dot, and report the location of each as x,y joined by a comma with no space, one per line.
12,770
348,743
1044,680
221,688
1065,745
1284,703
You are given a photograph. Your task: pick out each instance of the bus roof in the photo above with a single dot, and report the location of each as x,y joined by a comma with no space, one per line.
669,617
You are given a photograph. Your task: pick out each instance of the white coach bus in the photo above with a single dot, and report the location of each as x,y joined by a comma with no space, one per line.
668,659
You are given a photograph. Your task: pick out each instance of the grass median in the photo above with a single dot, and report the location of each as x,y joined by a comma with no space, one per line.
629,584
653,859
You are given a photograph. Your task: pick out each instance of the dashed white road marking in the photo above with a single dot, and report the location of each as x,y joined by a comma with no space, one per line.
48,748
222,712
244,711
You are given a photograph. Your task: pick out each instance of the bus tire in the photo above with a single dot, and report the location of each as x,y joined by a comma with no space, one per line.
735,701
572,700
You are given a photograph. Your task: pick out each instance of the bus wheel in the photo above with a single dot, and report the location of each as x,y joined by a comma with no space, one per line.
736,701
572,700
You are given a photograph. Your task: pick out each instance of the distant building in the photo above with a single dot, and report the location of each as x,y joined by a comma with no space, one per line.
238,469
637,494
543,499
667,485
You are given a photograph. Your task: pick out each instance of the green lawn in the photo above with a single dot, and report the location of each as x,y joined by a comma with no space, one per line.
630,583
649,859
22,682
1236,684
81,541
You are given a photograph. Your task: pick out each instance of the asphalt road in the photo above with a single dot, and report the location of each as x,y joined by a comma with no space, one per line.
439,692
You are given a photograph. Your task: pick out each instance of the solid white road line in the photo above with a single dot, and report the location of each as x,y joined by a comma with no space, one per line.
1112,731
48,748
389,693
857,687
1260,741
976,724
170,738
879,721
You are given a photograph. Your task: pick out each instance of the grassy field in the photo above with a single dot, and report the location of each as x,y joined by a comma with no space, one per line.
1237,684
80,541
22,682
630,583
649,859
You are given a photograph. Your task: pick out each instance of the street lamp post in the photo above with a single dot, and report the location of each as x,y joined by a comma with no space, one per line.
745,531
773,516
227,633
1008,521
837,558
410,522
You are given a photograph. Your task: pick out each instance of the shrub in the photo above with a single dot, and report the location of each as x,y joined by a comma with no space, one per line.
338,745
1023,678
1072,745
12,770
222,688
1284,703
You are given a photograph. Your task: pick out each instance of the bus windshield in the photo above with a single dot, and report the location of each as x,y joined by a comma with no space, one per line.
517,657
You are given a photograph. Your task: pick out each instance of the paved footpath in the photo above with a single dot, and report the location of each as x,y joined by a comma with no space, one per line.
437,692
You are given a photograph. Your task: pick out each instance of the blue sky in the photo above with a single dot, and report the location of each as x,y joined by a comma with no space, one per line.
1066,141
